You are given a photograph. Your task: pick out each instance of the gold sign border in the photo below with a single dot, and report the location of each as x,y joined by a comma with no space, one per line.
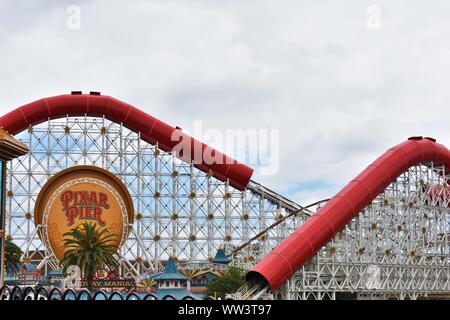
125,202
73,182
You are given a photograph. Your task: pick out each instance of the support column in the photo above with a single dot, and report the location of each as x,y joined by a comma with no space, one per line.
10,148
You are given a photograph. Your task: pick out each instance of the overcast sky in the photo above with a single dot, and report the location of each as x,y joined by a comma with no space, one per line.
342,80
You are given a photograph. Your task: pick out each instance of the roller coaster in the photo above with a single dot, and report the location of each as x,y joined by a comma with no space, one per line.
383,236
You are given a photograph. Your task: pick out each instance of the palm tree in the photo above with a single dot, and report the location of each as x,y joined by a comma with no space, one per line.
91,249
12,257
228,282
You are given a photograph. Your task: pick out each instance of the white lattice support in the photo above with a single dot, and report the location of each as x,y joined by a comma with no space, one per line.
398,246
167,220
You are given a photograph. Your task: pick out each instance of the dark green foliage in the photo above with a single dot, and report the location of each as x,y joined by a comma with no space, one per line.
90,248
345,296
229,282
12,257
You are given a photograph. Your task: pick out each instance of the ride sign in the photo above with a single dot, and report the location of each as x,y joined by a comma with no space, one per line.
79,194
84,205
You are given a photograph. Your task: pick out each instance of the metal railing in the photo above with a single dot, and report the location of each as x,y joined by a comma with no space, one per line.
35,293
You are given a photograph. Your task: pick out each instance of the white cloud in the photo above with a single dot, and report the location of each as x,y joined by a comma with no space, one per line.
340,94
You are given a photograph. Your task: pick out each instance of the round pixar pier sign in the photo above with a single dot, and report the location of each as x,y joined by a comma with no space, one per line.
82,194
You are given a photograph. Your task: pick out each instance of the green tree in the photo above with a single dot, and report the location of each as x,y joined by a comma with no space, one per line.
228,282
12,257
91,248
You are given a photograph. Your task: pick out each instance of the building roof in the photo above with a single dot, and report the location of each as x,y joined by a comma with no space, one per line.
29,267
170,272
55,272
221,257
11,277
10,147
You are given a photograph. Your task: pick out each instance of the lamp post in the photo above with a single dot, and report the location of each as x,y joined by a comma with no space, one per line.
10,148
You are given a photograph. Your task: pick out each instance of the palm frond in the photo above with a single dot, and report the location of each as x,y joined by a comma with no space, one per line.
90,247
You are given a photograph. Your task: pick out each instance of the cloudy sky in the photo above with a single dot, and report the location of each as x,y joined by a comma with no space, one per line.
341,81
